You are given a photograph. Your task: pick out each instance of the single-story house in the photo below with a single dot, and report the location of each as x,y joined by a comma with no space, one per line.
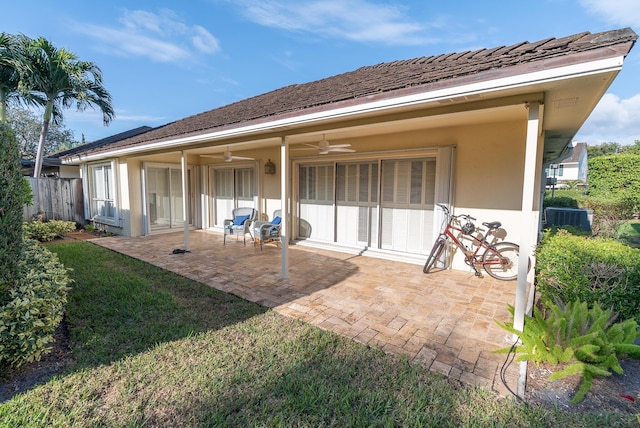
574,168
361,158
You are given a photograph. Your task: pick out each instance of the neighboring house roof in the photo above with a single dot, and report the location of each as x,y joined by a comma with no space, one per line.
385,81
50,167
94,145
29,163
576,154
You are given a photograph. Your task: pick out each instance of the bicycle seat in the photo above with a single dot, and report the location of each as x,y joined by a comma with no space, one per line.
493,225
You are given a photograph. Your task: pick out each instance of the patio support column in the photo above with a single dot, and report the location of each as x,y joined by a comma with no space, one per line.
284,204
183,164
529,230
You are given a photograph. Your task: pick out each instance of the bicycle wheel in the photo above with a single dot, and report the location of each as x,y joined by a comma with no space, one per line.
436,252
502,263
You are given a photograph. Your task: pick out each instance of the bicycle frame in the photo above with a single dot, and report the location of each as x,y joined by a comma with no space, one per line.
471,257
499,259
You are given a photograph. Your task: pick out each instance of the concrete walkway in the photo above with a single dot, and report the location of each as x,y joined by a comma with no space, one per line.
444,320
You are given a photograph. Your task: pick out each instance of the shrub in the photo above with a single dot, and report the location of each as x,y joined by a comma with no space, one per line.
592,270
586,340
609,213
566,229
560,202
35,308
27,193
47,231
11,203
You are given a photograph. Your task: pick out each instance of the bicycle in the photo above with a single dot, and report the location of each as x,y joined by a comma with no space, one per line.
499,260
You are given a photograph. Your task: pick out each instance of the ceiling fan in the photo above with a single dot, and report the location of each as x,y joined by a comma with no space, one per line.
324,147
227,156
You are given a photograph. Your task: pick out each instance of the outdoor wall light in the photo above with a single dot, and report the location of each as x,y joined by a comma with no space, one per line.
269,167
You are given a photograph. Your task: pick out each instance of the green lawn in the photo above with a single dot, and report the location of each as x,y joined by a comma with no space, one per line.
156,349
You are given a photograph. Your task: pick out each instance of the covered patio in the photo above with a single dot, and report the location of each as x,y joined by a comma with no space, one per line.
444,321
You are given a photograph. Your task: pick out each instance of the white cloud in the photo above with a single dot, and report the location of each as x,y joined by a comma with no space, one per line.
204,41
161,37
119,42
356,20
613,120
619,12
94,117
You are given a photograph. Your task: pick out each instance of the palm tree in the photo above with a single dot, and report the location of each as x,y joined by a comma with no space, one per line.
9,77
59,80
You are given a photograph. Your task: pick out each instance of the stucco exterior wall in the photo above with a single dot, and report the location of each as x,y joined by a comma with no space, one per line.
489,174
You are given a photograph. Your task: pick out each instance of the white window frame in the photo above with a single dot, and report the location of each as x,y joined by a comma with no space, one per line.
111,189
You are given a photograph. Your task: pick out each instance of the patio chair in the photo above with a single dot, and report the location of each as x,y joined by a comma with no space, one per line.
264,231
240,224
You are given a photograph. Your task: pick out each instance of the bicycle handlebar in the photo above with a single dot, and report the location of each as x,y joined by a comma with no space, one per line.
447,213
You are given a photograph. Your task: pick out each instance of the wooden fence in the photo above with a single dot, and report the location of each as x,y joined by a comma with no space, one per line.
56,199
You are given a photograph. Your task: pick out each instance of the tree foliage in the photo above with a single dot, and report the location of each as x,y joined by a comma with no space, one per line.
608,149
59,80
51,77
27,126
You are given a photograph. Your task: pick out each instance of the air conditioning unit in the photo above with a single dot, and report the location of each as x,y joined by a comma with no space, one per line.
569,217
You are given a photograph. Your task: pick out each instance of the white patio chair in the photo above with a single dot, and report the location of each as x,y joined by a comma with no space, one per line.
267,230
240,224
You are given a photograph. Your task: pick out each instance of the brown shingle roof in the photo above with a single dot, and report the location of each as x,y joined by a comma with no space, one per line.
386,79
107,141
576,153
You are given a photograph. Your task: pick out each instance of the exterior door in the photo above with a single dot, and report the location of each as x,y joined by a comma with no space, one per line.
232,188
408,196
317,216
164,197
357,204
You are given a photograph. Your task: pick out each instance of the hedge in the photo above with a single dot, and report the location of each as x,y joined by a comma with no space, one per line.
35,308
591,270
615,176
11,202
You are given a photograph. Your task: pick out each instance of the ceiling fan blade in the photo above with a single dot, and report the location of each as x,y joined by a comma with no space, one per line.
338,146
341,149
226,157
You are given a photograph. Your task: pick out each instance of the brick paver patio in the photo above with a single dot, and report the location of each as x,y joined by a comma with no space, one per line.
444,321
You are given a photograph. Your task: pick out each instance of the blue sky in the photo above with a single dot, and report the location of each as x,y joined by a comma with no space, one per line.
165,60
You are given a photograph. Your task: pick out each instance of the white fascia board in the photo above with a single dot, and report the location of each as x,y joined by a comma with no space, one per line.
560,73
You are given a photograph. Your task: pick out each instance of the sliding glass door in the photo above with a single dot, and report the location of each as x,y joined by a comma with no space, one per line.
232,187
164,197
386,203
408,195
